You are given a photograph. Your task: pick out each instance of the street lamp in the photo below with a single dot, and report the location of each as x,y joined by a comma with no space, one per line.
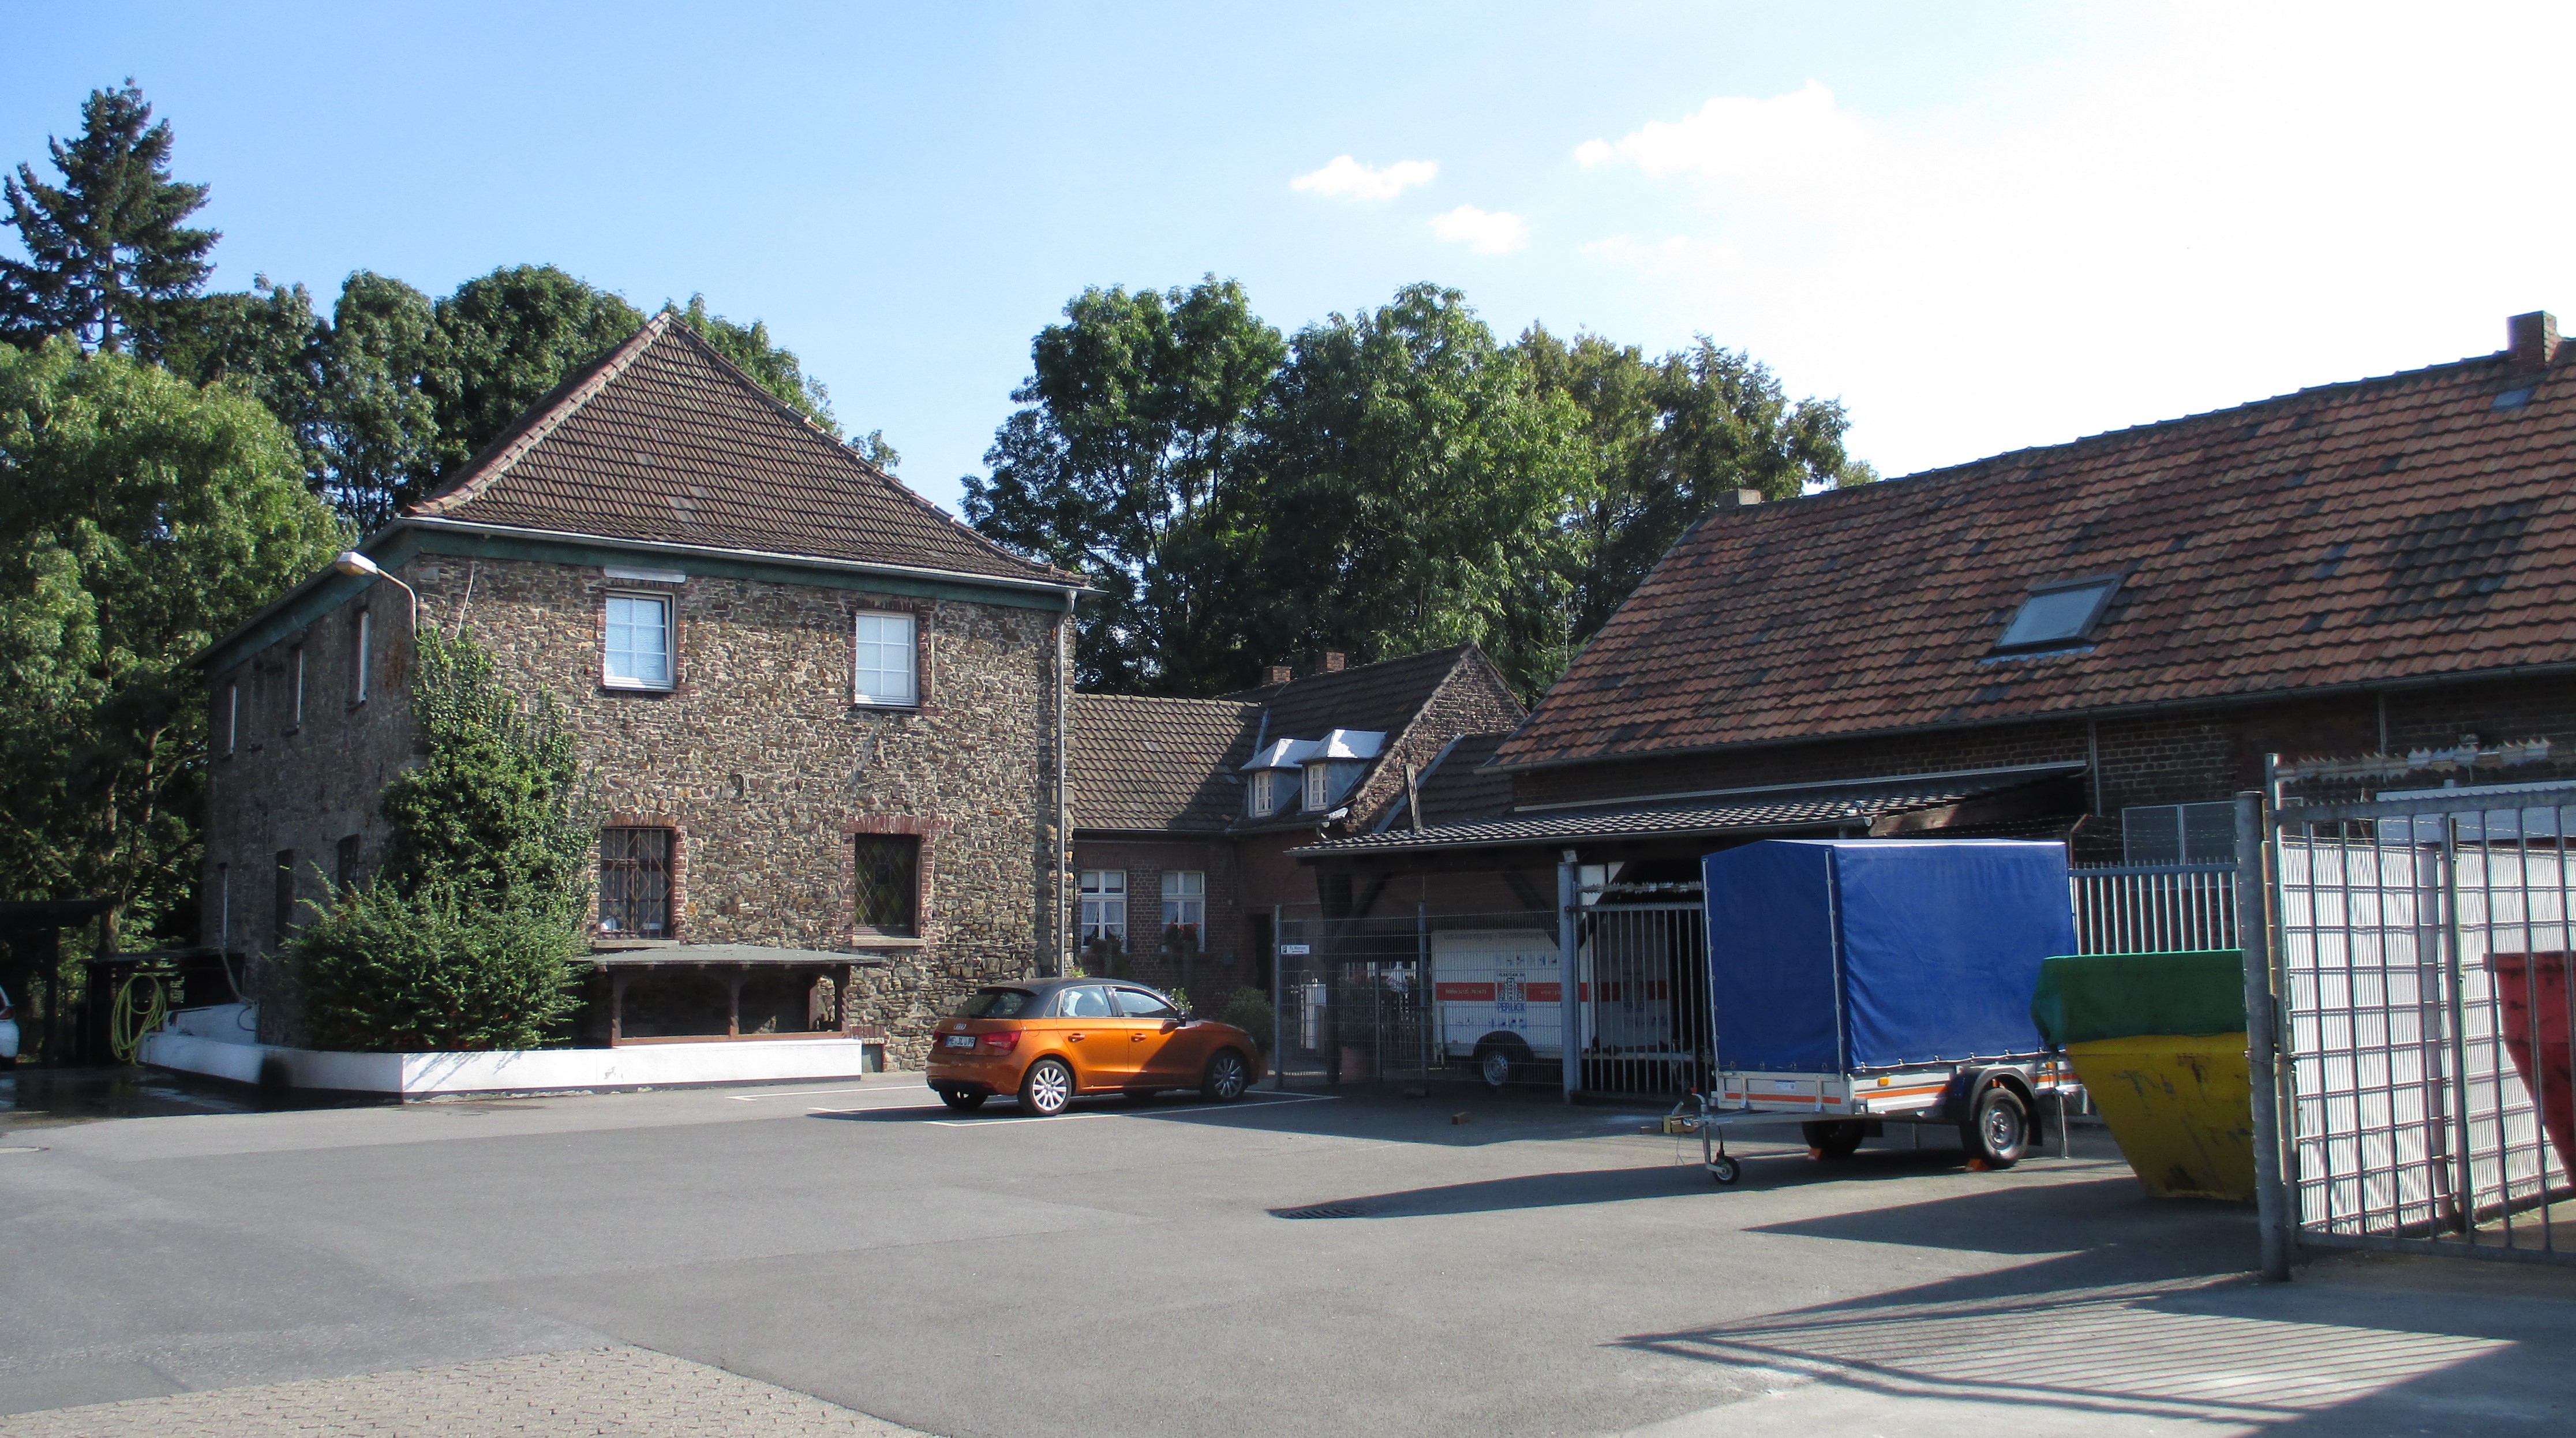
351,561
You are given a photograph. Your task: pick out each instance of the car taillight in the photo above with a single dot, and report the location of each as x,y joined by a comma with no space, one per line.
1003,1042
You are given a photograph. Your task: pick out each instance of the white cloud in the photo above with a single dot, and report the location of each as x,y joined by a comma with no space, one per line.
1347,179
1487,233
2163,227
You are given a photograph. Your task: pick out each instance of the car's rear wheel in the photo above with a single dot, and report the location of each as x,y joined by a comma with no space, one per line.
962,1100
1047,1088
1226,1078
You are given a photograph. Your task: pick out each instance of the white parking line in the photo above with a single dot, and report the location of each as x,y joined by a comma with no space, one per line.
798,1093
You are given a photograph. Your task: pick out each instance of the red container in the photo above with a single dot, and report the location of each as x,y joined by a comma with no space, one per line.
2532,991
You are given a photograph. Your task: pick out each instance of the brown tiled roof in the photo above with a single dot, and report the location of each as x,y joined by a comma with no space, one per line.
663,439
1382,697
1159,764
2387,530
1461,788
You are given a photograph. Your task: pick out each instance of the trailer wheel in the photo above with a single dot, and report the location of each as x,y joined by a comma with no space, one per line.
1724,1171
1834,1137
1500,1059
2000,1131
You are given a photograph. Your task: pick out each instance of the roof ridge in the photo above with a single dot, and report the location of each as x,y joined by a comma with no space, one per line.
1166,698
481,476
2150,426
807,424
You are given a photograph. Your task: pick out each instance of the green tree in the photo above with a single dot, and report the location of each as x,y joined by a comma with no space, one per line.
510,337
109,258
140,518
1418,489
1670,439
468,935
1137,408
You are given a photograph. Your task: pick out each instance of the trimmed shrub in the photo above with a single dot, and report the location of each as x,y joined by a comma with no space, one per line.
1249,1010
386,972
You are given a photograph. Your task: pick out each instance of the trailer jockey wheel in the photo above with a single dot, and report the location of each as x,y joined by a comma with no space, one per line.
1999,1133
1724,1170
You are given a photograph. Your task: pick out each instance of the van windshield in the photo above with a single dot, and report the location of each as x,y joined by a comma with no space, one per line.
996,1004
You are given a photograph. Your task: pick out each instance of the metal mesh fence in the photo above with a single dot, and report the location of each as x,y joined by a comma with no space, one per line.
1479,997
2423,972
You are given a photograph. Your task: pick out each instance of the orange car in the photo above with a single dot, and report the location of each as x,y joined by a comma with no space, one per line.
1047,1040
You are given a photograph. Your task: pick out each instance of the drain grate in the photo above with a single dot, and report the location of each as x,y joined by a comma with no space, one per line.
1321,1210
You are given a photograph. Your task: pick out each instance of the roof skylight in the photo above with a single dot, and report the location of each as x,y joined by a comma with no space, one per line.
2059,614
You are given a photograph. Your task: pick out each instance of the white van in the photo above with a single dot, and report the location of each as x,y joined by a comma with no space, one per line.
1499,997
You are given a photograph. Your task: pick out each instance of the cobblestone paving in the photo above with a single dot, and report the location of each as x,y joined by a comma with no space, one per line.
581,1393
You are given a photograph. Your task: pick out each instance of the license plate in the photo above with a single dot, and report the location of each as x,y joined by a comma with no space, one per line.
959,1041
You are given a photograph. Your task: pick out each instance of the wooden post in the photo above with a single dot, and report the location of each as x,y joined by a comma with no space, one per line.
617,1007
733,1002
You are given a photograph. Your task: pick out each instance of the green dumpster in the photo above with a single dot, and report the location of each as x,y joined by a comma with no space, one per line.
2158,1041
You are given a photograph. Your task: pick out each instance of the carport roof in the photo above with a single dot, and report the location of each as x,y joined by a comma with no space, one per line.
1777,806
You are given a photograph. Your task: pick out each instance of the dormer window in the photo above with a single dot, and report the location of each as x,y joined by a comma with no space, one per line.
2059,615
1330,781
1268,789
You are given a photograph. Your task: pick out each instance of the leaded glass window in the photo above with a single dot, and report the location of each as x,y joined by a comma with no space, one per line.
885,882
635,883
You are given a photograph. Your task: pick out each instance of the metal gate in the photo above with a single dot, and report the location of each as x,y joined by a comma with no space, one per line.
2421,957
1644,1005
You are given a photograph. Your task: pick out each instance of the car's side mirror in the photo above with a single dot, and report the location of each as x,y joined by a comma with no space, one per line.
1175,1022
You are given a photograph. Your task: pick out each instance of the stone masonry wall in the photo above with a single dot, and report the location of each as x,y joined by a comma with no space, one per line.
757,760
303,786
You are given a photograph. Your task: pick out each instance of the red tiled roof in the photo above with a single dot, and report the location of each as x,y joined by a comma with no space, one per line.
2403,528
664,440
1144,764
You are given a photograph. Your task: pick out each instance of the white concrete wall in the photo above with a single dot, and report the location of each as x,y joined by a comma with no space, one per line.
514,1070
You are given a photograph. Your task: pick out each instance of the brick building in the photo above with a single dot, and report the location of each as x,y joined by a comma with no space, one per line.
1184,810
826,719
2096,641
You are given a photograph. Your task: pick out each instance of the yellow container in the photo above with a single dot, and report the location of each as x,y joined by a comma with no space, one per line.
2181,1108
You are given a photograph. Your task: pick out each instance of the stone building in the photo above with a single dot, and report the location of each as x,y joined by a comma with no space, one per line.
1185,810
826,719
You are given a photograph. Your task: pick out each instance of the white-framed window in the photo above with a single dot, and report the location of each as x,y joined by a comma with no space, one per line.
1266,788
361,646
885,659
232,717
1104,906
1184,907
638,651
1329,782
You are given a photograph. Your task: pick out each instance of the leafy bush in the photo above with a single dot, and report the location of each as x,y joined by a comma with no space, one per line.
387,972
469,934
1250,1011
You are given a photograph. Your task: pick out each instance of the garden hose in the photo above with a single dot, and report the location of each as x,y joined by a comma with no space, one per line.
136,1014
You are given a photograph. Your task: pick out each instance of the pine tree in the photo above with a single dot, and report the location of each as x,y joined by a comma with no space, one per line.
109,262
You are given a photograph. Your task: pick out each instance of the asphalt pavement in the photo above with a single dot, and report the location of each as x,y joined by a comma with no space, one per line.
1288,1265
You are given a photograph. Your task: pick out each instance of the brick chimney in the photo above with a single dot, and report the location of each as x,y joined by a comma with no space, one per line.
1333,661
1739,498
1278,674
2533,339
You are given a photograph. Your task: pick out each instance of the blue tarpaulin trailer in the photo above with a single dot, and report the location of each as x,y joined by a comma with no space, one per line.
1861,981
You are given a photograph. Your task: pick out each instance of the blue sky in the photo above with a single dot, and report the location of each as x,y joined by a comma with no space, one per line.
1981,226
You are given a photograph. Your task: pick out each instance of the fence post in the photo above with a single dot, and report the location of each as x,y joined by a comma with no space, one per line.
1278,1005
1569,1032
1425,1012
2262,1050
